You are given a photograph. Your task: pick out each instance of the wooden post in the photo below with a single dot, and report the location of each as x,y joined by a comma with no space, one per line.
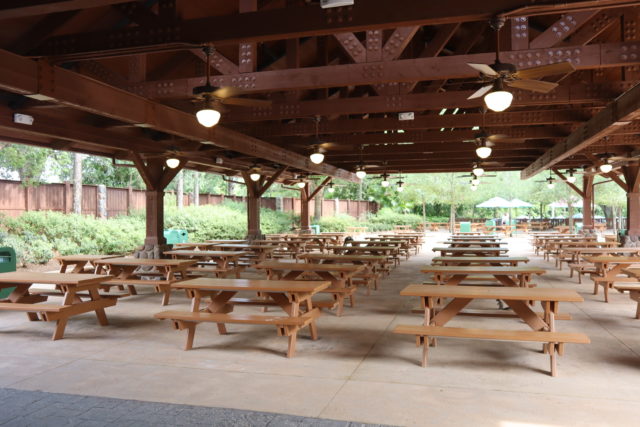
67,195
587,199
129,200
255,190
632,178
101,201
305,225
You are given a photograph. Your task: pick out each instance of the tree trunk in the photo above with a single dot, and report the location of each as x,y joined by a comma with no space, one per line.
180,190
196,188
317,205
360,190
571,217
452,218
230,188
77,183
424,214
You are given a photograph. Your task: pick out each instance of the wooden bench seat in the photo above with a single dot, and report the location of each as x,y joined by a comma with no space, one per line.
33,308
188,316
608,283
554,340
634,294
580,269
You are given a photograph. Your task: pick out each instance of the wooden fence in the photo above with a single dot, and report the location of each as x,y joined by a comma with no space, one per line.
15,199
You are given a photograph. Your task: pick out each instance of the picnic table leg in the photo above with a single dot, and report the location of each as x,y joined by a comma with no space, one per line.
425,351
552,358
313,328
61,324
191,334
100,314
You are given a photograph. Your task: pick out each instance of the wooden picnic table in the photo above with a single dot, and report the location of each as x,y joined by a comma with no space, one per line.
410,242
340,276
608,271
479,260
219,263
575,258
632,288
375,265
563,250
194,245
542,325
508,276
80,262
129,272
554,248
293,297
260,251
474,243
391,252
72,287
285,246
446,251
229,241
482,237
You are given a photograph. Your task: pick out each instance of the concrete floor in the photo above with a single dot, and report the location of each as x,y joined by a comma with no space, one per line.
357,371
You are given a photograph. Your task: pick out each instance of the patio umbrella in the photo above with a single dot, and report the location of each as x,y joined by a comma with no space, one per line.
517,203
495,202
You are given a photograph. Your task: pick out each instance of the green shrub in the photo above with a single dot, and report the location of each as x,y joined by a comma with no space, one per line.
386,218
338,223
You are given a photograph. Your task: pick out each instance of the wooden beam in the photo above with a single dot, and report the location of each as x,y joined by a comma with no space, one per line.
562,28
571,185
168,174
42,81
320,186
620,112
11,9
613,175
596,56
142,170
270,181
519,33
297,21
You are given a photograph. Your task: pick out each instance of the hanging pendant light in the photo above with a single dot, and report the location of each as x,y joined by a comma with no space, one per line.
385,180
208,115
606,167
498,99
172,162
483,151
330,188
475,182
301,184
361,173
317,156
477,170
571,178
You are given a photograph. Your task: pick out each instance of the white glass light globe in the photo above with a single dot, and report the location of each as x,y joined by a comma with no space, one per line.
255,176
474,187
483,152
571,179
172,163
317,158
208,117
498,100
475,181
400,188
606,168
384,183
361,174
478,171
331,189
551,184
301,184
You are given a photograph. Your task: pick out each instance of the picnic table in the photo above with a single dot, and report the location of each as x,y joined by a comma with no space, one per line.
445,251
258,250
340,276
129,272
474,243
542,325
410,242
375,265
609,270
563,251
479,260
483,237
632,288
554,248
293,297
285,247
72,287
508,276
80,262
574,258
193,245
219,263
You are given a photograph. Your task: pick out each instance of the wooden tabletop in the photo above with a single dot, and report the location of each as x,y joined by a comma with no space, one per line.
204,254
634,272
206,283
346,257
193,245
487,259
81,257
155,262
482,269
474,242
368,248
493,292
613,258
601,250
297,266
227,241
244,246
28,277
469,249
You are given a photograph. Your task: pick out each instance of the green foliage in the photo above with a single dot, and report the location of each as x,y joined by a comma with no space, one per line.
386,218
25,161
338,223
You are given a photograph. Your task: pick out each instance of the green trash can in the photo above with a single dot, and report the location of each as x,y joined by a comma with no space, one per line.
465,227
315,229
176,236
7,264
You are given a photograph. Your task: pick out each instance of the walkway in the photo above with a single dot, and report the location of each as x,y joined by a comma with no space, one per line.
358,370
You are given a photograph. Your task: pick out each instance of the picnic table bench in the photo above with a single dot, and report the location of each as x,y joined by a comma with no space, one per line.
374,266
565,255
340,276
218,263
609,271
578,265
72,287
447,251
80,263
507,276
474,243
293,297
542,325
478,260
632,288
129,272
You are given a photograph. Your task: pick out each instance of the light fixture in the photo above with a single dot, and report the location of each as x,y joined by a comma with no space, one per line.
475,182
330,188
301,184
498,99
400,185
483,151
474,187
172,162
571,178
317,157
361,173
385,180
477,170
208,116
606,167
255,176
550,185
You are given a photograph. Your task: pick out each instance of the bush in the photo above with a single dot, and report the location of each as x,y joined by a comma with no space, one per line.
386,218
338,223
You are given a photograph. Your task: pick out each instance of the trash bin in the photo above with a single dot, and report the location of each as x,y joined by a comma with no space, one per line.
176,236
315,229
465,227
578,227
7,264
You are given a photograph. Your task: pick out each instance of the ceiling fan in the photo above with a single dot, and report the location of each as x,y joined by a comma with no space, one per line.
551,181
210,98
318,147
500,74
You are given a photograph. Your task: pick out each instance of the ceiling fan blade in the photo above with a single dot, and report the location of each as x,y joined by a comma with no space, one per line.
498,137
545,70
226,92
333,146
248,102
492,164
484,69
533,85
481,92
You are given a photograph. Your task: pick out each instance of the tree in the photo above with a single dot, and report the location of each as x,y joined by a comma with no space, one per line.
28,163
77,183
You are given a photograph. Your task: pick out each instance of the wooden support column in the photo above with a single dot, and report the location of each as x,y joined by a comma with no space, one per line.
587,202
632,177
156,177
305,225
255,190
